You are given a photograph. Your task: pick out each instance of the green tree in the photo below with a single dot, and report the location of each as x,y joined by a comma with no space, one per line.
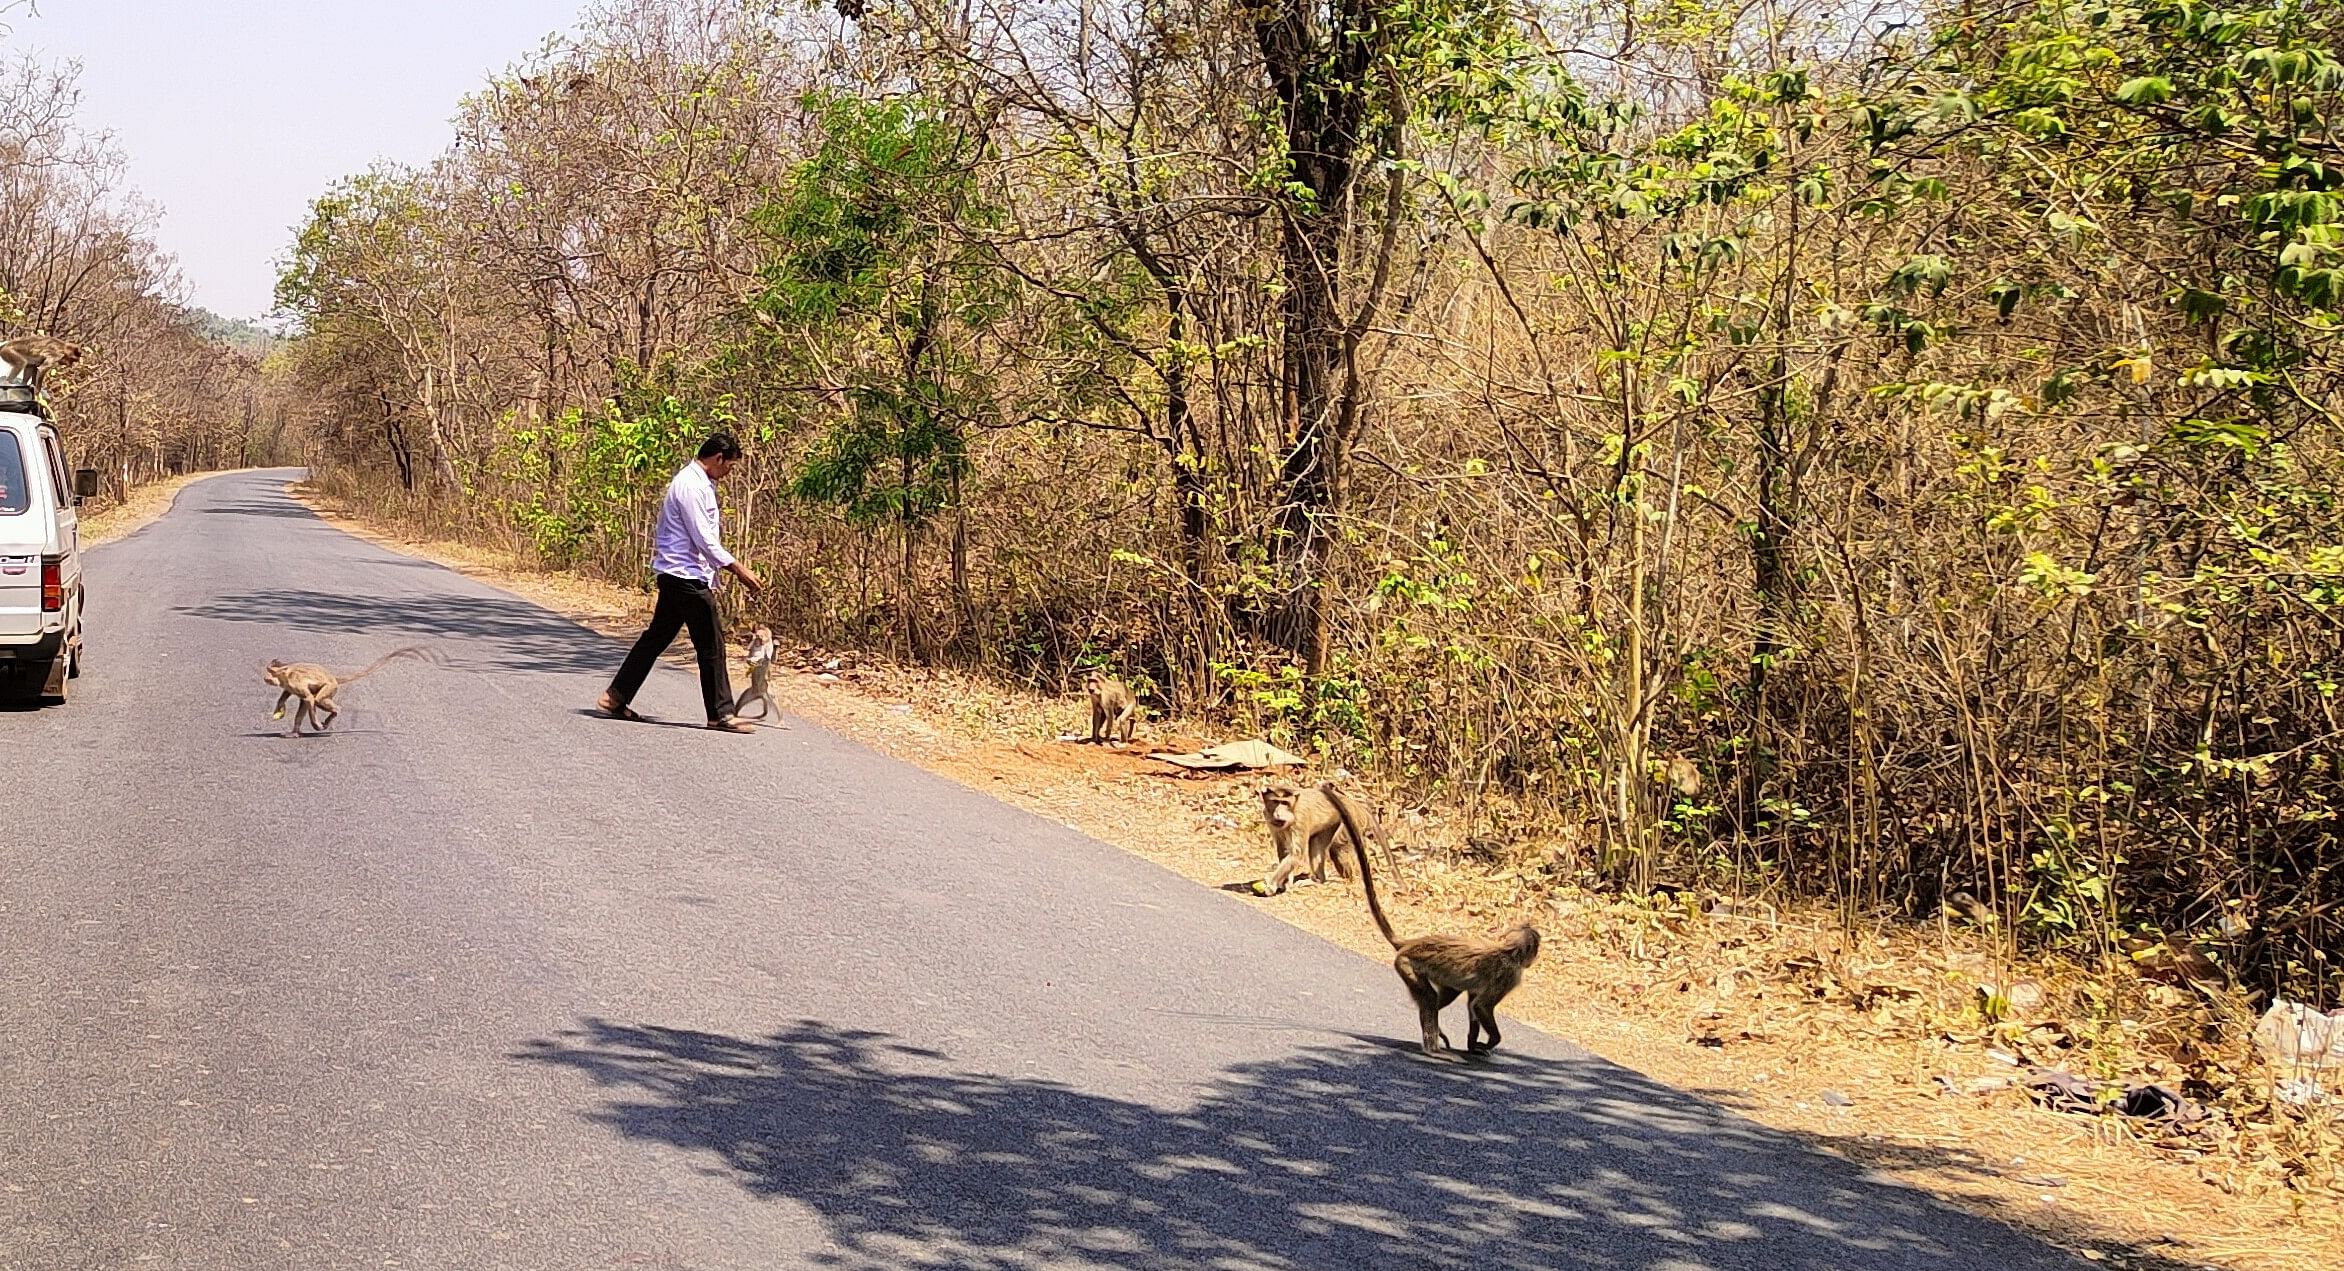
371,267
872,261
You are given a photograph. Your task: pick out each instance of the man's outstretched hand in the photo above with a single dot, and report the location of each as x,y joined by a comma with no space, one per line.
748,578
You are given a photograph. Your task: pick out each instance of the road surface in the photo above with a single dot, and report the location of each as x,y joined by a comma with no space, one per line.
481,981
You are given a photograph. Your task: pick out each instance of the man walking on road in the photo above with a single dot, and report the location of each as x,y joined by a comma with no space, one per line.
686,553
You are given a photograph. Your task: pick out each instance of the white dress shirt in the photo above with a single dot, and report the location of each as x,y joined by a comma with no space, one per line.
684,542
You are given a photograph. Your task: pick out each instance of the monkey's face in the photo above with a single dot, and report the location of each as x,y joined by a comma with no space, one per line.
1278,804
273,673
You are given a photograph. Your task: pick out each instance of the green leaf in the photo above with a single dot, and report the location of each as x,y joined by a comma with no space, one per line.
1924,272
2005,296
2199,305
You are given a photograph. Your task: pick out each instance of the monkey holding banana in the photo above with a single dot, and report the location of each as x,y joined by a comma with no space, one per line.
1304,831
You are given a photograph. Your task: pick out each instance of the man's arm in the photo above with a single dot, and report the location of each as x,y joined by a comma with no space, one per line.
748,577
701,525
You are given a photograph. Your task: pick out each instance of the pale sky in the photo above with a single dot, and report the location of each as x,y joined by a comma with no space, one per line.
236,113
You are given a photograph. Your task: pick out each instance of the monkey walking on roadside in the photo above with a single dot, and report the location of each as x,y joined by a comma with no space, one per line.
1303,829
1438,968
316,686
1112,707
760,671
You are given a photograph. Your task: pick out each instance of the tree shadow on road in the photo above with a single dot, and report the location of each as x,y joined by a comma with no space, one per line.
282,509
487,632
1342,1156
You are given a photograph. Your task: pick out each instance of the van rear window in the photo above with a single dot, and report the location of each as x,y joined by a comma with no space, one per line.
16,493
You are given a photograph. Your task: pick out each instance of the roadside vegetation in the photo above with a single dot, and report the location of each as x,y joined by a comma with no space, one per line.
1913,430
165,387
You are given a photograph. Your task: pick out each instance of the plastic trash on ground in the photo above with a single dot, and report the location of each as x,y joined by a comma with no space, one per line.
1231,756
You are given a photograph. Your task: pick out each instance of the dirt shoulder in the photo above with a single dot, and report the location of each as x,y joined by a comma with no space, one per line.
144,507
1872,1046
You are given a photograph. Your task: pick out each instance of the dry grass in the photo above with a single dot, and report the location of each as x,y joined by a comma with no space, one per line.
145,505
1840,1038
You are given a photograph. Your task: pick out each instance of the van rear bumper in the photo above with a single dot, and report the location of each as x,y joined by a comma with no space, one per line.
42,650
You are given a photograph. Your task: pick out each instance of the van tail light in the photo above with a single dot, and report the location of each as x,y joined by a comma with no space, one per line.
52,586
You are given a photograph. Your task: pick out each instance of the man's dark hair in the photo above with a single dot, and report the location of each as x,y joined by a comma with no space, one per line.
720,445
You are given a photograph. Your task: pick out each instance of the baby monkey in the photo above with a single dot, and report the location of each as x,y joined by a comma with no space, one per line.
316,686
1112,706
1438,968
760,671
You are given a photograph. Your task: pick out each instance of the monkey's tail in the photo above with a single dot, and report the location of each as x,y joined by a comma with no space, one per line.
416,651
1375,906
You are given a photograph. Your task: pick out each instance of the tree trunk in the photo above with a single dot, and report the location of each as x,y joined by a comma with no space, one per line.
1307,476
443,468
1318,64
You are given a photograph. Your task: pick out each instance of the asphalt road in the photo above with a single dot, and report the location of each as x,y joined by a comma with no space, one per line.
482,981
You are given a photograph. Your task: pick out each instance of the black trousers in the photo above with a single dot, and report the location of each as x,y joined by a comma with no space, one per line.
688,605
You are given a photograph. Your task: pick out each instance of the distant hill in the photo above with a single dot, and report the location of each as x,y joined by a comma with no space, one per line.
237,333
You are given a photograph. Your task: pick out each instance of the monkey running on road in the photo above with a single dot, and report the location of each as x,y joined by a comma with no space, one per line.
316,686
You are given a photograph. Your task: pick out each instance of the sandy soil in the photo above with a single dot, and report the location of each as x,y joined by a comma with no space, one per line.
1871,1045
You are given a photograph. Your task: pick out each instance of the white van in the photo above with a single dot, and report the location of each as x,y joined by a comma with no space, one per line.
40,550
